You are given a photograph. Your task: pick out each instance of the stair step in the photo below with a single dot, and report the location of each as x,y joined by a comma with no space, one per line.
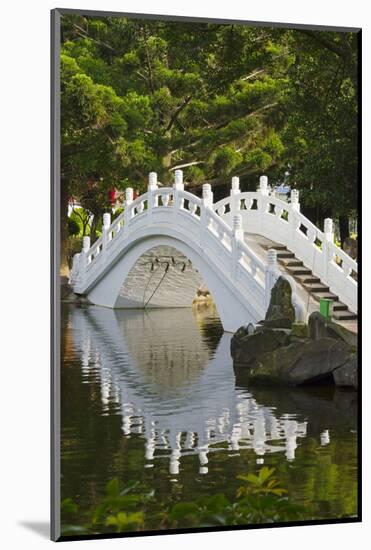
339,306
290,262
310,282
275,246
316,287
344,316
279,247
328,295
307,279
299,270
285,254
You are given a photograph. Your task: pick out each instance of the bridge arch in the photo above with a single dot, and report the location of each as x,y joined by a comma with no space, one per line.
233,311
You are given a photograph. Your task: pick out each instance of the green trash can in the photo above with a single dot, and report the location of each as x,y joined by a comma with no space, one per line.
325,308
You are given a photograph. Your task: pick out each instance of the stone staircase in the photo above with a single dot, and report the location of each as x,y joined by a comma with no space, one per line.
310,282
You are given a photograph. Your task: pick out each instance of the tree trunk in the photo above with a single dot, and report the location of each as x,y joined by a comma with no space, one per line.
94,225
344,229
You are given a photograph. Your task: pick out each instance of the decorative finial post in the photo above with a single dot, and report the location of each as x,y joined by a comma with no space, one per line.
327,253
295,200
106,220
329,229
128,213
272,258
84,257
152,186
237,227
235,187
85,244
129,196
263,185
105,229
271,275
238,237
178,186
235,191
207,195
152,181
178,183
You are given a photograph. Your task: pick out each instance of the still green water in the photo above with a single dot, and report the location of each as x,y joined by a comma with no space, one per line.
152,396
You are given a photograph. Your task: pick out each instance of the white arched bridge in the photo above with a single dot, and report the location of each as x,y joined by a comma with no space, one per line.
168,241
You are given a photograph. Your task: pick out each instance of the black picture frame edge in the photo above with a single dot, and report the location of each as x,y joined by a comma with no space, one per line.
55,283
55,294
194,19
360,273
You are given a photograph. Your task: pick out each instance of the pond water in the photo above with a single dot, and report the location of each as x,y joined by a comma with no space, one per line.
152,396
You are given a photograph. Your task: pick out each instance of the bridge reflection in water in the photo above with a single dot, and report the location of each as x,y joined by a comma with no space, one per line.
176,388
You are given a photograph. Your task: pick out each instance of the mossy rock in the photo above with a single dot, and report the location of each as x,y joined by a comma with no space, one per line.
281,312
300,330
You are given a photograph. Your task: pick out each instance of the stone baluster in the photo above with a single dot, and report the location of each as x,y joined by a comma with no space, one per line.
178,182
85,244
207,195
263,186
237,237
328,229
178,186
105,231
294,220
234,194
271,275
295,204
262,202
128,213
237,227
152,186
207,204
84,259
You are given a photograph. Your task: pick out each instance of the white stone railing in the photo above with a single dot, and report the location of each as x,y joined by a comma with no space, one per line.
219,229
197,221
264,214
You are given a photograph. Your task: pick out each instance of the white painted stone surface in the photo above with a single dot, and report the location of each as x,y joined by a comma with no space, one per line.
161,277
211,237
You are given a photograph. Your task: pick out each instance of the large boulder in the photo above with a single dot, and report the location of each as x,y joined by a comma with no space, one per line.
347,375
247,348
320,327
281,312
309,362
322,352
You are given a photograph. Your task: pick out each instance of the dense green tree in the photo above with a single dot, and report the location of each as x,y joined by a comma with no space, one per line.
146,95
212,99
321,133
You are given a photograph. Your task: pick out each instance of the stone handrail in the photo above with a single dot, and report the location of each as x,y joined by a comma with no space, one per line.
221,226
282,222
195,215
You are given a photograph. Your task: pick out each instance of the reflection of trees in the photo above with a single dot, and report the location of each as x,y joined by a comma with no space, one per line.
327,472
87,424
324,406
96,414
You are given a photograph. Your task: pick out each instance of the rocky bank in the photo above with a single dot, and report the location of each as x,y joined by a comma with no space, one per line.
279,351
